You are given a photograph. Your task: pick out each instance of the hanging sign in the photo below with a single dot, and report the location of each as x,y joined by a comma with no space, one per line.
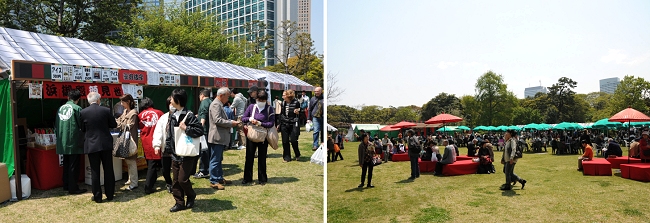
220,82
135,91
57,72
67,73
132,76
59,90
35,90
153,78
97,74
78,74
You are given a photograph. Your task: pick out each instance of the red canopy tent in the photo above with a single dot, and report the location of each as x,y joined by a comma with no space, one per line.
629,115
403,124
443,118
388,128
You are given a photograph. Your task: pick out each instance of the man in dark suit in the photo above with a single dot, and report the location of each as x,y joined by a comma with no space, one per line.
96,122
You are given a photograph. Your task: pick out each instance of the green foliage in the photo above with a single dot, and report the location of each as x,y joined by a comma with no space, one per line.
407,113
297,56
197,34
631,92
433,214
84,19
525,115
341,114
442,103
494,100
561,96
470,110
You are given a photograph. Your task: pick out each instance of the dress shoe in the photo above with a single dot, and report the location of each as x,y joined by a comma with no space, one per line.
523,184
297,158
360,186
176,208
81,191
96,200
245,182
505,187
109,198
261,183
148,191
217,186
169,188
190,202
225,182
370,186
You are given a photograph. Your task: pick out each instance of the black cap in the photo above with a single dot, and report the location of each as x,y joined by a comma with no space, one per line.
252,89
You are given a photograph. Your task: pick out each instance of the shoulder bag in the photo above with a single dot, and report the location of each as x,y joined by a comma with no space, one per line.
256,133
186,145
124,146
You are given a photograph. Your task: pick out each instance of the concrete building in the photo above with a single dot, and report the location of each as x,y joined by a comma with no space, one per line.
609,85
304,15
530,92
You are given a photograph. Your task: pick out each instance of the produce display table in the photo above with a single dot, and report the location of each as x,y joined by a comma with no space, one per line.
44,169
621,160
636,171
597,167
461,167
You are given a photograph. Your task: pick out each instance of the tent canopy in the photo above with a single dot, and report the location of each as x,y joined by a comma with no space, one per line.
28,46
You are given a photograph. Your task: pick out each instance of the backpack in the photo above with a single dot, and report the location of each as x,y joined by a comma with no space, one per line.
519,150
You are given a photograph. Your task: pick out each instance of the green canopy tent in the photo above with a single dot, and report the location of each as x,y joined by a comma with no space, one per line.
501,128
464,128
448,129
480,128
606,124
532,126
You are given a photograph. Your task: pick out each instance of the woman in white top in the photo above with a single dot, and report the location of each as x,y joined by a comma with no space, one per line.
158,143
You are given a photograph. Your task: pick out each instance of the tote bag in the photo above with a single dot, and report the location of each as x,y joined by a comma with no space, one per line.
185,145
124,146
256,133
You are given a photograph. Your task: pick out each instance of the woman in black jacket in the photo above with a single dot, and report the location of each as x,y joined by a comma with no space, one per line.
366,153
289,127
182,166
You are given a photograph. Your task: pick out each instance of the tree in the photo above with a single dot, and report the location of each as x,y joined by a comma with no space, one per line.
525,115
258,35
442,103
560,95
369,114
494,100
631,92
194,34
84,19
297,56
333,90
406,113
341,114
470,111
599,106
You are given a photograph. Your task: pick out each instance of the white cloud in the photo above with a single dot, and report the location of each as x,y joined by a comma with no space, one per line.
444,65
619,57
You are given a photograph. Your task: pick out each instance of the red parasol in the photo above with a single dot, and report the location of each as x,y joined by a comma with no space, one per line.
388,128
443,118
629,115
403,124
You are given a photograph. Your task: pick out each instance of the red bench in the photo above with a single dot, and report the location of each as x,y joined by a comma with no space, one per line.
636,171
597,167
427,166
461,167
460,158
616,162
401,157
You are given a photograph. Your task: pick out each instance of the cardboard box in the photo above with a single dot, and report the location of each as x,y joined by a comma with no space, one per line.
5,192
117,170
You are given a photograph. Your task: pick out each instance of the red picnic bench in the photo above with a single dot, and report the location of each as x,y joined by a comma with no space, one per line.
622,160
636,171
597,167
460,167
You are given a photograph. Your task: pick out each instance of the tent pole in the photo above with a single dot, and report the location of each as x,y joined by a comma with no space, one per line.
17,158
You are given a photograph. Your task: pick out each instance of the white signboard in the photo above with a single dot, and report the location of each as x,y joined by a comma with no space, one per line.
78,74
97,74
57,72
153,78
67,73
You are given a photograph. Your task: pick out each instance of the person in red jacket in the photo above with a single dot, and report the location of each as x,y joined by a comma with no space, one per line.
149,117
588,155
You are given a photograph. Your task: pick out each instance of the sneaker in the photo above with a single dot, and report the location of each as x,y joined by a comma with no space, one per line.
201,175
241,147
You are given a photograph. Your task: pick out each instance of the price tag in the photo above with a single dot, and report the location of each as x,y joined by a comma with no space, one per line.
67,73
114,76
57,72
78,74
106,75
87,74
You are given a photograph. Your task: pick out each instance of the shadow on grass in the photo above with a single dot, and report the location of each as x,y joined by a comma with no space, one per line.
358,189
212,205
231,169
509,193
405,181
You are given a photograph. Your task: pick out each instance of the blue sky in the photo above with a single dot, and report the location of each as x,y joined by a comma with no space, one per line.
402,54
317,18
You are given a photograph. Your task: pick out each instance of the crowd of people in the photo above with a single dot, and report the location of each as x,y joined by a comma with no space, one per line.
217,122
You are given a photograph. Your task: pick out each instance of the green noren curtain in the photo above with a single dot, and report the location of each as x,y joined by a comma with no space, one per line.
6,133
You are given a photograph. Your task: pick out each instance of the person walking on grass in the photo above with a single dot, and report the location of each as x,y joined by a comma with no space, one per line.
366,153
509,160
414,153
204,107
316,114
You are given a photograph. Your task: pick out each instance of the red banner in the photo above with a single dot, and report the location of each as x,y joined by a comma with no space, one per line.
133,76
59,90
220,82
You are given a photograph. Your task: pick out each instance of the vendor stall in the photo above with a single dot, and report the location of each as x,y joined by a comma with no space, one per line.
38,70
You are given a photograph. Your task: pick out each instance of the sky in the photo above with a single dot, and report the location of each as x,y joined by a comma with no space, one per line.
390,54
317,29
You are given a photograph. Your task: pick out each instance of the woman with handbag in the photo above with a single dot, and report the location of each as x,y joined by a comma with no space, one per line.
128,121
259,119
182,166
289,117
158,143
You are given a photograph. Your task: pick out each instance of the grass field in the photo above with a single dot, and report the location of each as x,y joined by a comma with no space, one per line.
555,192
294,193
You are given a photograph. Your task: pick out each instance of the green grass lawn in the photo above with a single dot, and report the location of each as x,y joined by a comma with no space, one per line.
555,192
294,193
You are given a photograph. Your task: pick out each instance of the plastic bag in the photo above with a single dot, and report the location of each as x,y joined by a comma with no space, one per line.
319,156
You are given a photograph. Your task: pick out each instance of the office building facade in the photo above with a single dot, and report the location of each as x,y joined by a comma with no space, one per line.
530,92
304,16
609,85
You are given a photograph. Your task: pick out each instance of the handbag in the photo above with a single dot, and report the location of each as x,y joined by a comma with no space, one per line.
124,146
185,145
256,133
272,137
376,160
319,156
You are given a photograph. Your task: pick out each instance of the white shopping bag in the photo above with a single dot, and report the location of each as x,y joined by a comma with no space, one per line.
319,156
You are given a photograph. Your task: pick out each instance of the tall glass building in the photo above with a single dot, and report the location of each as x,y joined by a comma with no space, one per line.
236,13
